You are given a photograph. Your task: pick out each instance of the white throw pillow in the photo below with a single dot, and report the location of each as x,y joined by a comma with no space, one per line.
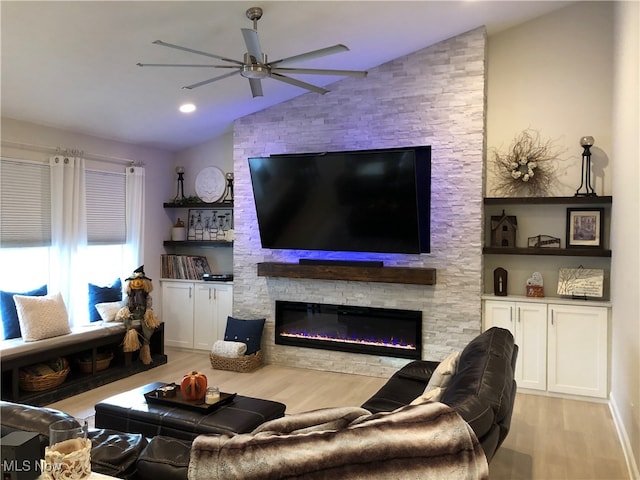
108,310
443,372
42,317
432,395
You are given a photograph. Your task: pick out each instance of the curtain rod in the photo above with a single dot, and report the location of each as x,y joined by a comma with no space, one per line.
69,151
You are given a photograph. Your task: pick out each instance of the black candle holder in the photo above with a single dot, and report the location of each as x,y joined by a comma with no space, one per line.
180,190
585,176
228,194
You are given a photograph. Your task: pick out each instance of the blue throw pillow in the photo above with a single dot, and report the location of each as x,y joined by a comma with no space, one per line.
110,293
245,331
9,314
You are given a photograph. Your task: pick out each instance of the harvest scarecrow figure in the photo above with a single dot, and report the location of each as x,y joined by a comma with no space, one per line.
138,307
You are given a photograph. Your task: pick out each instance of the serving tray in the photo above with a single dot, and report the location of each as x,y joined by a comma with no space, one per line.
157,396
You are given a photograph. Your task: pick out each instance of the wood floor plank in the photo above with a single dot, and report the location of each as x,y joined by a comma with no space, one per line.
550,438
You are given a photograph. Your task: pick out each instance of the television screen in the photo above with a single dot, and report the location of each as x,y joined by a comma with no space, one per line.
355,201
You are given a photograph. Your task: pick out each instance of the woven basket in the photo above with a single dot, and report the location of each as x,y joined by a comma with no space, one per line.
102,362
244,364
36,383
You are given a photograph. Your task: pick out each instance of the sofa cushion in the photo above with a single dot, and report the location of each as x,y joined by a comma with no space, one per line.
483,390
115,453
245,331
164,458
42,317
8,312
108,293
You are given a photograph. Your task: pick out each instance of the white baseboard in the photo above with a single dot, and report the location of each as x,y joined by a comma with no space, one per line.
632,466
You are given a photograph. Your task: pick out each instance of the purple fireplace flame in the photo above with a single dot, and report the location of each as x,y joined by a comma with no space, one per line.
375,331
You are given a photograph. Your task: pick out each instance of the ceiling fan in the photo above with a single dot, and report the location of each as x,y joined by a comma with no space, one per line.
255,66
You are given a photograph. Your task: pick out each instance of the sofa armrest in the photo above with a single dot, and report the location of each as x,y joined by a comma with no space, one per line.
402,388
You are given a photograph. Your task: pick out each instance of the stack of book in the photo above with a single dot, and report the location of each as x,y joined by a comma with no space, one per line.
186,267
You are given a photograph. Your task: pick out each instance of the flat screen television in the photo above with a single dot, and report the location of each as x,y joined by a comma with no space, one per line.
352,201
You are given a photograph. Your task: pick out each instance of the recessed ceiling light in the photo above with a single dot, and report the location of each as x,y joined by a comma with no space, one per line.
187,108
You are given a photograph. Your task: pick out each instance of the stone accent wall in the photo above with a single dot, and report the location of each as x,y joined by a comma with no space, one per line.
436,97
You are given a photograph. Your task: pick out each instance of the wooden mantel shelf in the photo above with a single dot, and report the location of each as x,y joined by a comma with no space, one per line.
412,276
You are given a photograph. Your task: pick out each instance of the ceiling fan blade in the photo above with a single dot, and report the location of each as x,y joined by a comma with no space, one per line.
315,71
256,87
253,44
211,80
298,83
197,52
313,54
183,65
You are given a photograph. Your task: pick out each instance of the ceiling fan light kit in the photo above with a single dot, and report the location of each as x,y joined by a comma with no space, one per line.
255,66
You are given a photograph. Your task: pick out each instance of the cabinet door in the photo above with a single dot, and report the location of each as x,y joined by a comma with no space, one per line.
177,314
224,297
204,317
578,352
213,303
531,338
499,314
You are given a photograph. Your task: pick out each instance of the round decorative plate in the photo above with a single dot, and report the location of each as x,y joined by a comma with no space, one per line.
210,184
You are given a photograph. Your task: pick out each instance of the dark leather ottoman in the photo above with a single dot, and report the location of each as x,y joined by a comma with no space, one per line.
130,412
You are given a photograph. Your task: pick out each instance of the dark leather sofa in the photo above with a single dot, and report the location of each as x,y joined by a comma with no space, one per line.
113,453
482,390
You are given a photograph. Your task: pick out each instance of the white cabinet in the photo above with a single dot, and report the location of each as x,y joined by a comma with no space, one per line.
195,313
212,306
177,313
528,324
563,347
578,353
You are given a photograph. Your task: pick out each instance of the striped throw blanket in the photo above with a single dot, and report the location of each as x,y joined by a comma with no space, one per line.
414,442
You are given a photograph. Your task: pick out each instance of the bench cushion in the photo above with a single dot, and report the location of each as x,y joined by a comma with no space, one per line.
16,347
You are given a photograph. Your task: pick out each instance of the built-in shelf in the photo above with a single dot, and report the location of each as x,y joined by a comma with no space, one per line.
411,276
564,252
605,200
198,205
197,243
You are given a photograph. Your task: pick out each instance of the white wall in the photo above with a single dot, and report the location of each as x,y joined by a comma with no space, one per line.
157,182
217,152
625,278
553,75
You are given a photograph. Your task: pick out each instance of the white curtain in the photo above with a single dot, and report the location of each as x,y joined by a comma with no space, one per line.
135,216
69,234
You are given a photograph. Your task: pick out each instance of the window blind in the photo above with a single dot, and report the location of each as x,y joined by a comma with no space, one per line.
25,204
105,198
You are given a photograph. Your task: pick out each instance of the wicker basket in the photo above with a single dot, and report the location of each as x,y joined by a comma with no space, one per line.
102,362
31,382
244,364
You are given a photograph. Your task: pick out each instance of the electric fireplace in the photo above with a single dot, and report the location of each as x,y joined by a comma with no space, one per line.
375,331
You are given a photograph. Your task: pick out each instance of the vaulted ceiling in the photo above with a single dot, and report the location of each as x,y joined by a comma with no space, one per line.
72,65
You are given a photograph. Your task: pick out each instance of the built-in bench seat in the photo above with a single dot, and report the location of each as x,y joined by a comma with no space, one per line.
83,340
16,348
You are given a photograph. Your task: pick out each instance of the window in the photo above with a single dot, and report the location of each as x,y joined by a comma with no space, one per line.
25,229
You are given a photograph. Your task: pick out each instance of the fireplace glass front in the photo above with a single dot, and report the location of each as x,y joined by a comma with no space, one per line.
375,331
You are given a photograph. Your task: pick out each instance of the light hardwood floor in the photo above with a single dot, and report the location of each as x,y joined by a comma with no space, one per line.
550,438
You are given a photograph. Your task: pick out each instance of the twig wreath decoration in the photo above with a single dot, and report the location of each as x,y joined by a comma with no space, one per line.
527,168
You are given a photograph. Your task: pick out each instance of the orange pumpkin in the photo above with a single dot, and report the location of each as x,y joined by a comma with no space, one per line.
193,385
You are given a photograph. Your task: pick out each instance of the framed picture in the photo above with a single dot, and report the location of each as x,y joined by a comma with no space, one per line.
581,282
585,227
204,224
